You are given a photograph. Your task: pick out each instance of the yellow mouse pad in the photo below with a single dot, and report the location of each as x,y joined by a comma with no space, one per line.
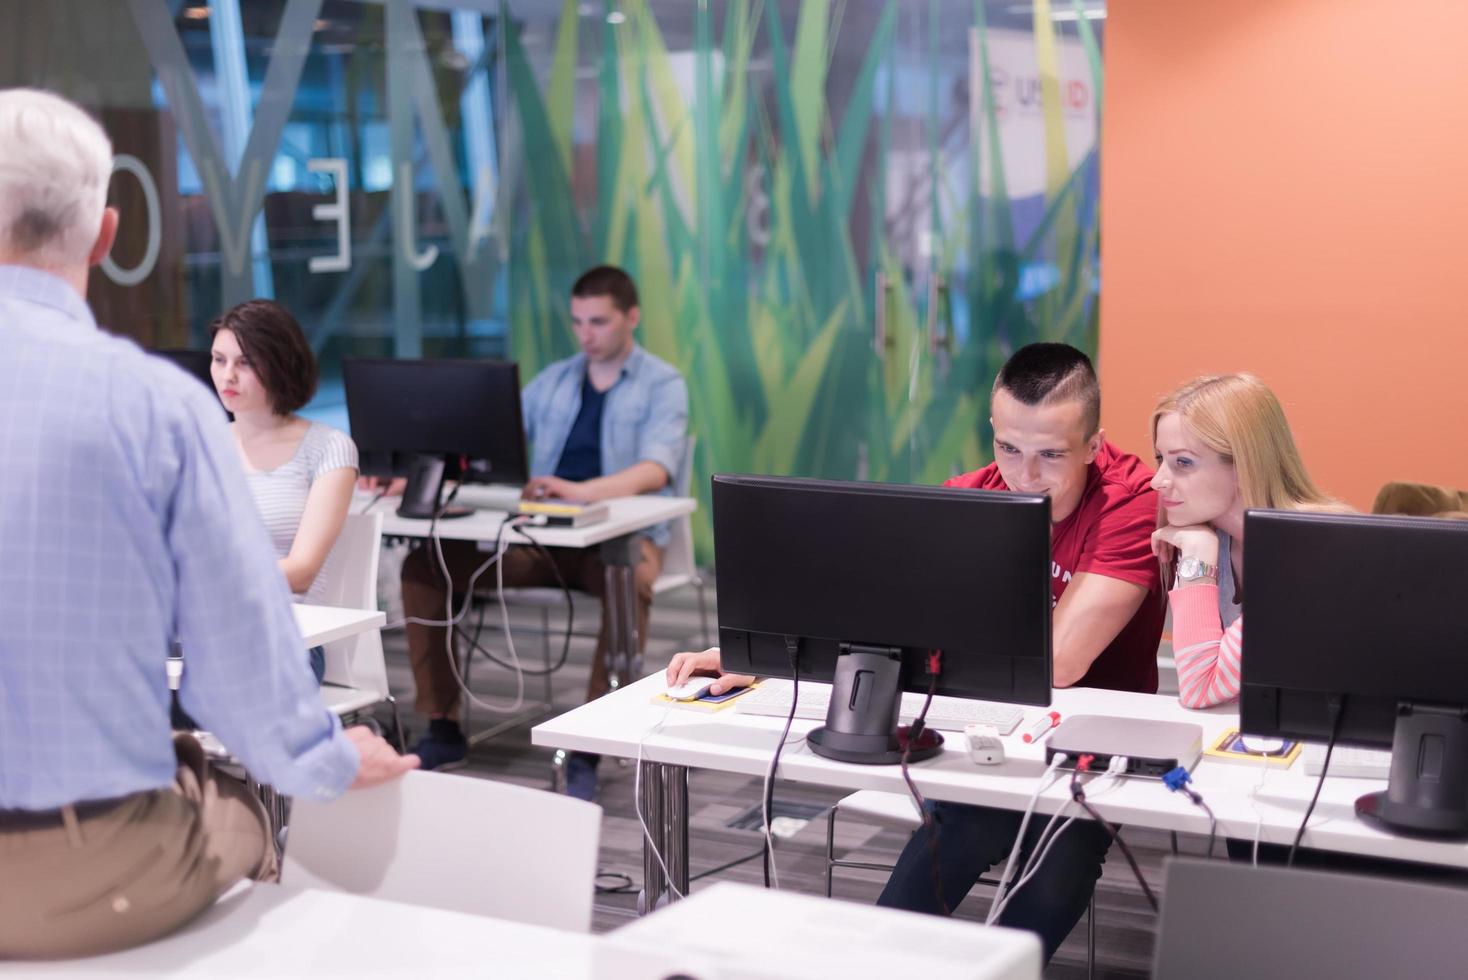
1229,748
702,705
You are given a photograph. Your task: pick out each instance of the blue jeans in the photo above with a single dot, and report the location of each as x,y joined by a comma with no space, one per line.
972,839
318,663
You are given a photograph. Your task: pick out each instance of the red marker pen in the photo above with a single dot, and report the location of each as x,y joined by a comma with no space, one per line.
1042,725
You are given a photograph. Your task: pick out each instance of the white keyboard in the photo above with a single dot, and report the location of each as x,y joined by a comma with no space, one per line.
1347,761
772,697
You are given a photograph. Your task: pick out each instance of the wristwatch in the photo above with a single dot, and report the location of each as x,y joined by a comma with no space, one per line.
1192,569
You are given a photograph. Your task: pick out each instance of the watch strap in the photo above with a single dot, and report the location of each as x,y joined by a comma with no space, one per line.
1193,569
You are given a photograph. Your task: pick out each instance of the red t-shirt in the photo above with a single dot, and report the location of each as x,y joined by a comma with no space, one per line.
1110,534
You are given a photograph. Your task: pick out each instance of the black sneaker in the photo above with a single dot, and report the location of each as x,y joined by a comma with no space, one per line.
444,747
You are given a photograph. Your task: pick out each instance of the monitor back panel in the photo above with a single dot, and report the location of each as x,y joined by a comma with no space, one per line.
914,568
1372,608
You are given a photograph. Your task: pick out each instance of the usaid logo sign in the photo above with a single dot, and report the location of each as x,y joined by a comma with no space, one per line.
1022,94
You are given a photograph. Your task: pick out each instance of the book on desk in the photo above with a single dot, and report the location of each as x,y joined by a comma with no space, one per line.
562,513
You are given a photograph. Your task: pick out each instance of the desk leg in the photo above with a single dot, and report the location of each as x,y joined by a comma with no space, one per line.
664,802
675,824
654,840
621,610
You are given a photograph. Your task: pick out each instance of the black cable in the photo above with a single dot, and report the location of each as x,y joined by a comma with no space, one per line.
1197,800
499,537
433,541
473,641
914,733
443,508
792,647
1339,709
624,884
478,629
1177,781
729,864
570,622
550,560
1212,823
373,502
490,655
1079,795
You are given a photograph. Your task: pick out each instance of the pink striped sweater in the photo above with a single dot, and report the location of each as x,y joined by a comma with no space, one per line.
1207,655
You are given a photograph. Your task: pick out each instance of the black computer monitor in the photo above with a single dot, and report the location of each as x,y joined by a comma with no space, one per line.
431,420
195,362
856,583
1358,625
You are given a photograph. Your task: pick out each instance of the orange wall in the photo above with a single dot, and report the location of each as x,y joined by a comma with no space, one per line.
1284,190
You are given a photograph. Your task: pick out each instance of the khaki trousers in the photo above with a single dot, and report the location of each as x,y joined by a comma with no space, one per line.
135,871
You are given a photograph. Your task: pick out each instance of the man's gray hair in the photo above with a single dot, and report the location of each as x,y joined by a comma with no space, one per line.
55,161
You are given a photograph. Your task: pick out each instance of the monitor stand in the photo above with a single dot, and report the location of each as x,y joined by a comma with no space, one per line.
425,486
1427,792
861,722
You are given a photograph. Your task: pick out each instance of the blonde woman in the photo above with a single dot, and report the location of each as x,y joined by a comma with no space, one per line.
1222,446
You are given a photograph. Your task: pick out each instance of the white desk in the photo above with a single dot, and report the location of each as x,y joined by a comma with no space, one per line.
323,624
627,516
731,741
730,930
280,931
318,625
275,931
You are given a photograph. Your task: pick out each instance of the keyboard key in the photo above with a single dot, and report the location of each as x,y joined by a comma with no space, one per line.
1347,761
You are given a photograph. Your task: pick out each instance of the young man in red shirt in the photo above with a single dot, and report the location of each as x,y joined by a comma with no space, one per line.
1046,414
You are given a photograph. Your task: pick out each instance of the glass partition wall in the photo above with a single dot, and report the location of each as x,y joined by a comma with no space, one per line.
842,216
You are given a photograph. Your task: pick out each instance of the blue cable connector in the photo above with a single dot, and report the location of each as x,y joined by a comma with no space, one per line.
1176,779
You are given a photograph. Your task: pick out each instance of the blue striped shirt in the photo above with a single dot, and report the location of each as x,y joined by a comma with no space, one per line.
644,418
125,521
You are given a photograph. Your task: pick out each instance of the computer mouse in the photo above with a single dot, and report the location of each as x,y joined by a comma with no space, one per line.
1261,744
690,690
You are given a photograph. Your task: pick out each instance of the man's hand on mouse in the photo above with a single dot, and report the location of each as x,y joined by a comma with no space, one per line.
555,488
685,665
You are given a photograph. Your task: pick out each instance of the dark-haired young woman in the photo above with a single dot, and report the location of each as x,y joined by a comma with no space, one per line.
301,473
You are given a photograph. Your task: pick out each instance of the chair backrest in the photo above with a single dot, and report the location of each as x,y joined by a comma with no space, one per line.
678,558
351,582
453,842
1224,919
1419,499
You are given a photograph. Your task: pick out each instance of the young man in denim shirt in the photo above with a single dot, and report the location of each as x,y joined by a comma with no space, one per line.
611,421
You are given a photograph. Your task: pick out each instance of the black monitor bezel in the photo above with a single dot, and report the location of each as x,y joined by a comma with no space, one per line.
1309,611
502,381
195,363
1023,678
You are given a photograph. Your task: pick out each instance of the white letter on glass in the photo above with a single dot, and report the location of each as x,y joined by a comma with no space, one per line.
133,276
338,211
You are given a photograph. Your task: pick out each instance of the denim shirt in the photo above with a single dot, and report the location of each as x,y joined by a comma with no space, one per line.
645,418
